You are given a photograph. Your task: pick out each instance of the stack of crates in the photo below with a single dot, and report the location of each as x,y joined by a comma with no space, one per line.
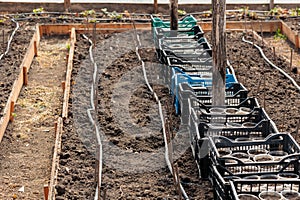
236,146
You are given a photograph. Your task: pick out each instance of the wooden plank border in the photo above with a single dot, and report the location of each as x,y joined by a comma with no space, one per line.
293,36
69,73
55,160
19,82
270,26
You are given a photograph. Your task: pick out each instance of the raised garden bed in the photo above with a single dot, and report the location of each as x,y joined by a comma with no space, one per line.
77,157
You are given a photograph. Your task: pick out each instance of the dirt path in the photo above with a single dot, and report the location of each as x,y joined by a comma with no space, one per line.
26,149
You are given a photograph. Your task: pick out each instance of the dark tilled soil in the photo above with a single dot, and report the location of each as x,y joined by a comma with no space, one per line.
76,175
7,28
271,88
124,183
153,182
293,23
10,64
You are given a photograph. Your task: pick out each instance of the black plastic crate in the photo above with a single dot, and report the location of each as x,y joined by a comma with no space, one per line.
280,142
186,64
235,94
201,51
192,54
255,187
195,32
228,116
187,100
229,187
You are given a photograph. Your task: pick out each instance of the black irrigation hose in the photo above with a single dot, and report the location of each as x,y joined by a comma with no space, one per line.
138,45
93,108
10,38
272,64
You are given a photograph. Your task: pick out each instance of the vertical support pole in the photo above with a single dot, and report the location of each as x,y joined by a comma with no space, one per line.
3,36
298,126
67,58
252,33
25,76
63,85
174,16
176,172
219,52
155,10
271,5
55,129
67,4
97,170
291,60
94,35
46,191
35,48
262,35
264,87
11,110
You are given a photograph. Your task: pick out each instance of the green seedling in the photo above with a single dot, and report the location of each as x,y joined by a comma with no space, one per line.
68,46
115,15
181,12
2,21
38,10
279,36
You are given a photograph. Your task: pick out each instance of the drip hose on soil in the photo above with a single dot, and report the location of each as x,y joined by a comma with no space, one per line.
274,66
138,45
278,68
90,110
10,39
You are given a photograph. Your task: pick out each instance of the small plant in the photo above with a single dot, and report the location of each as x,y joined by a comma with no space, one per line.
181,12
88,13
115,15
92,21
253,15
2,21
279,36
295,12
104,10
68,46
38,10
245,11
13,114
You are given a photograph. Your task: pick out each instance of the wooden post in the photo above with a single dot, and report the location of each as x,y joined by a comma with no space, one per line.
63,85
67,58
174,16
262,35
3,36
35,48
94,35
98,175
25,76
46,191
252,33
291,60
177,180
12,108
155,7
55,129
264,86
271,5
219,52
67,4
